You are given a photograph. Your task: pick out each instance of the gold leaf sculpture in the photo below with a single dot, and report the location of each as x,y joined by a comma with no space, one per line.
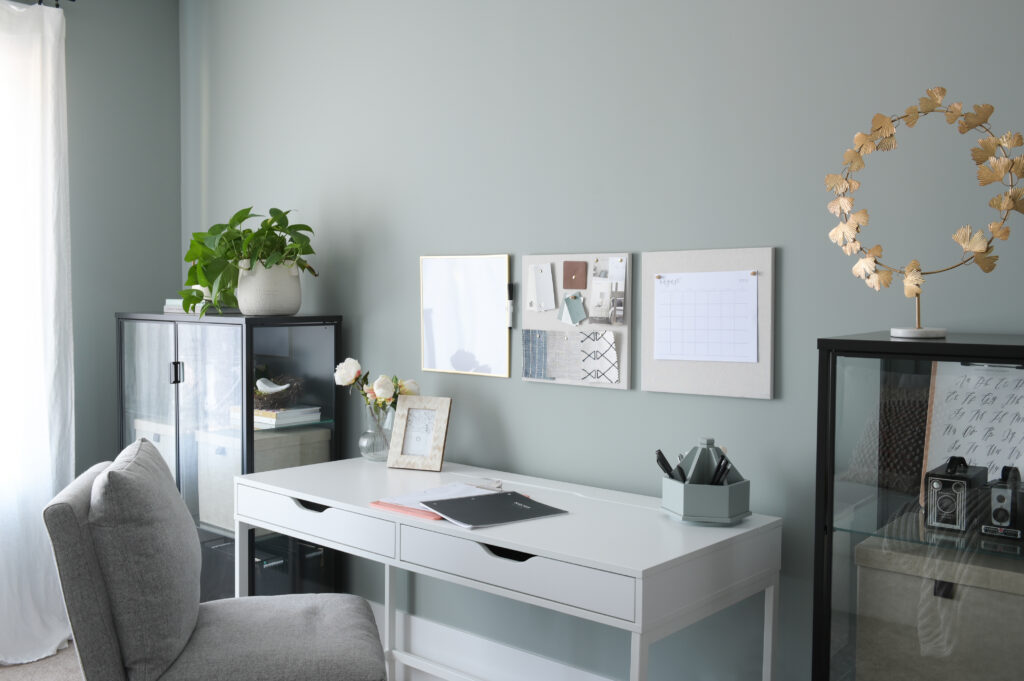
996,164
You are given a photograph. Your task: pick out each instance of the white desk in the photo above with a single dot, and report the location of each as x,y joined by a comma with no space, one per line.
615,558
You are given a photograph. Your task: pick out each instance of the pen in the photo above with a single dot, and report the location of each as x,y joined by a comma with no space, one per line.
725,472
663,463
678,473
720,470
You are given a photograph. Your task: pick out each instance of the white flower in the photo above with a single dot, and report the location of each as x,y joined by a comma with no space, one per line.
347,372
409,387
383,388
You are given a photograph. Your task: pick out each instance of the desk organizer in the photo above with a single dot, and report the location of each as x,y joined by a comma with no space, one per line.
697,501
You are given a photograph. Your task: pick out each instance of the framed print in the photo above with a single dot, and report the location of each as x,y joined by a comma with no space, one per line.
421,427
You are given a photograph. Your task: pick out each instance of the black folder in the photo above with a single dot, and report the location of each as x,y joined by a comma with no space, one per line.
491,509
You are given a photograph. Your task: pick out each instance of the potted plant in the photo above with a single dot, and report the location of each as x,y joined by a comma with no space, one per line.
253,270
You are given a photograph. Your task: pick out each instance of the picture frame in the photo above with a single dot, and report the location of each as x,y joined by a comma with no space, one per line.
419,433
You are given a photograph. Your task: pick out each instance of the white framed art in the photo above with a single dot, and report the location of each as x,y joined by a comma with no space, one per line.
420,431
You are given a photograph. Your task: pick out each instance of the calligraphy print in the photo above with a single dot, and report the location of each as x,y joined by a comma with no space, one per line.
977,412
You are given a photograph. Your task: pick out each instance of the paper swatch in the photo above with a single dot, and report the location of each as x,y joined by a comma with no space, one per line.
574,308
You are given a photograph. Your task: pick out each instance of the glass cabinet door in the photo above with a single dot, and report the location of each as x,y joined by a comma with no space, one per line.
209,421
927,564
147,391
184,384
293,426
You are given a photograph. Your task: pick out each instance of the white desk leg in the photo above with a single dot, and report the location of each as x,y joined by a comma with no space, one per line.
771,623
389,619
639,647
241,556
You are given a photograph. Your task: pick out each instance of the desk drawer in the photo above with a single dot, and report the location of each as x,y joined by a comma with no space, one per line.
554,580
332,524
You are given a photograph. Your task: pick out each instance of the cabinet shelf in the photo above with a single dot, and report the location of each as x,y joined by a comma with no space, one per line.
908,531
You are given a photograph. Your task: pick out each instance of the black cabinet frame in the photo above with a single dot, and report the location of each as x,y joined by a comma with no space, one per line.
956,347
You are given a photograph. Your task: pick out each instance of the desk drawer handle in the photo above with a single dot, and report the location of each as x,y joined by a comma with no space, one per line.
507,554
311,506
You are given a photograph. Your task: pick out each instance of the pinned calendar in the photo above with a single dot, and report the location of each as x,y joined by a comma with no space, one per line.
707,322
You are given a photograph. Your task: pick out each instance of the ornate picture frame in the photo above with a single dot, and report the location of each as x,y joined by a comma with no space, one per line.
420,431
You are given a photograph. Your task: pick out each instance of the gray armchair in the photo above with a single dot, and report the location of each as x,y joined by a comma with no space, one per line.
128,556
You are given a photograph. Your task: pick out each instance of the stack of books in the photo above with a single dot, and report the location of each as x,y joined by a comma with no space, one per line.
287,416
278,418
173,306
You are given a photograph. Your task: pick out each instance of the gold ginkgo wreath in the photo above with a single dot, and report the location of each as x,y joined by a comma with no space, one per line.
995,165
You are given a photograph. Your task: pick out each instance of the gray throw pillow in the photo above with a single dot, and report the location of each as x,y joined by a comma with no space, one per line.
148,550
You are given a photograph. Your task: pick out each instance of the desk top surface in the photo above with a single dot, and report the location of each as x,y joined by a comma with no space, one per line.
603,528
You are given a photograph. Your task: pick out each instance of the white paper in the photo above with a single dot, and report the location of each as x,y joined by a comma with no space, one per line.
706,316
544,287
617,270
454,490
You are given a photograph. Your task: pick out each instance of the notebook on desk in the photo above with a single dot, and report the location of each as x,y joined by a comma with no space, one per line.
491,509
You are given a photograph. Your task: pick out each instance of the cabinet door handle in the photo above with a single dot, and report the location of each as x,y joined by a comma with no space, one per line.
177,372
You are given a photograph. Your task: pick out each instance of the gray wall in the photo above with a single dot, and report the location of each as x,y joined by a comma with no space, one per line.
399,129
123,152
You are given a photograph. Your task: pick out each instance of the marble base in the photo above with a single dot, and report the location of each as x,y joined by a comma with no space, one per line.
911,332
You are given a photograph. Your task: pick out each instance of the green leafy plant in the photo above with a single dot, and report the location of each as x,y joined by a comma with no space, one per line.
220,252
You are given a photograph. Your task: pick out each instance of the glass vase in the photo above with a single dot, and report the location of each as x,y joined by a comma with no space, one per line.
375,440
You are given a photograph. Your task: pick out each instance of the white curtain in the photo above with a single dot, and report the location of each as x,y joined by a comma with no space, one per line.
36,389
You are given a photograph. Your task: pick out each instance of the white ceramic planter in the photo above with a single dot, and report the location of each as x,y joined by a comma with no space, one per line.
273,291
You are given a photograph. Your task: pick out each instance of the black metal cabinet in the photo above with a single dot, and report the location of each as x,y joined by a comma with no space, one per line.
187,384
899,594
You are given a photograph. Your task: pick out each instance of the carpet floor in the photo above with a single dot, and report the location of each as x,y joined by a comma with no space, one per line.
60,667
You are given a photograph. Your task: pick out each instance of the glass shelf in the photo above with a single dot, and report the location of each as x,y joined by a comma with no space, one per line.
907,531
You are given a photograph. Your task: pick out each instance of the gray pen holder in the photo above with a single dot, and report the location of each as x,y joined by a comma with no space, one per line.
698,501
723,504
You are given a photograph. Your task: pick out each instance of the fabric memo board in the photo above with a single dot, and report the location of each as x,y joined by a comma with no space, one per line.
611,329
747,376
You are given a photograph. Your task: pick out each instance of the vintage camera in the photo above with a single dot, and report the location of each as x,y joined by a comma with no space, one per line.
951,497
1006,496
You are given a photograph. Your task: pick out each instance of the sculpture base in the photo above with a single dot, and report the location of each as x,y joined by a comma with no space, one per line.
911,332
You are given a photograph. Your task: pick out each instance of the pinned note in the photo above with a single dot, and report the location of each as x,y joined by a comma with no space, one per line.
541,288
